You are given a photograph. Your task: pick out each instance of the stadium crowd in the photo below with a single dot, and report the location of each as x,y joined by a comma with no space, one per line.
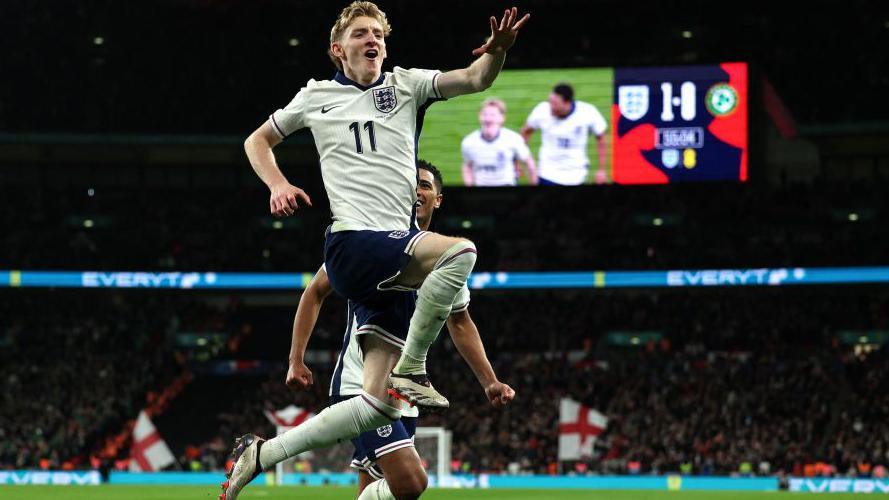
748,381
739,382
76,368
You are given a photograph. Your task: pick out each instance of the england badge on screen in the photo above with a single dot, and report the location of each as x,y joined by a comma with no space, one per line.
633,101
384,99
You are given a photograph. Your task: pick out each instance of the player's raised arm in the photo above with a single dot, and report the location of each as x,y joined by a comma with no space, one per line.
258,146
298,374
484,70
468,342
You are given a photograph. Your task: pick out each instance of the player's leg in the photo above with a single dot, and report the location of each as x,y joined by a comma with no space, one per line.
357,263
346,419
364,480
379,360
404,477
389,457
442,264
337,422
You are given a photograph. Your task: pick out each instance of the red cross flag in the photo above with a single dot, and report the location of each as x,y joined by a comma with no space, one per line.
579,426
149,451
288,417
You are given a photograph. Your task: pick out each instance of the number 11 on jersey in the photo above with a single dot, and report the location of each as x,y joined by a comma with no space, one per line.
369,128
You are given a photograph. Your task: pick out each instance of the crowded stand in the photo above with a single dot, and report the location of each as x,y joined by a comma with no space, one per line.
754,381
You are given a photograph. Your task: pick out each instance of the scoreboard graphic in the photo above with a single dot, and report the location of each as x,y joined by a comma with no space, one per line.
663,124
680,124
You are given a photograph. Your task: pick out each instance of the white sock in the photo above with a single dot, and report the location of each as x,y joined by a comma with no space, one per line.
434,300
338,422
377,490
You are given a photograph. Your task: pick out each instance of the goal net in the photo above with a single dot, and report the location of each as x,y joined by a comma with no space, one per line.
433,444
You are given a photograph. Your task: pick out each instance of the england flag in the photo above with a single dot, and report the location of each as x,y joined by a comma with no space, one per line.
149,452
579,427
290,416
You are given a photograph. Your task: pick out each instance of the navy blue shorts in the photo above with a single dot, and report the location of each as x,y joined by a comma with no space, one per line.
546,182
361,264
387,316
362,267
371,445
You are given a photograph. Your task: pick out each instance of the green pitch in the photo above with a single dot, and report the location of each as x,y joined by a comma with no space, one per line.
339,493
447,123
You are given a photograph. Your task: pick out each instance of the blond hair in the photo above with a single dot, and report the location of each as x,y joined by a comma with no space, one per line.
350,13
497,103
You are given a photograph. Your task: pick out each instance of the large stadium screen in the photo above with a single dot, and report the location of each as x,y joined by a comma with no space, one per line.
653,125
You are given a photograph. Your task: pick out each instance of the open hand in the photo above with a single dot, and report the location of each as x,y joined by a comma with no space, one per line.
499,394
503,35
283,201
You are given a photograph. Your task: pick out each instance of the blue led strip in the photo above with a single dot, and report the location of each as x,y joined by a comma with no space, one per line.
487,281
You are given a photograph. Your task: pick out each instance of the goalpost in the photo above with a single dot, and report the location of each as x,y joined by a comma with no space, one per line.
433,444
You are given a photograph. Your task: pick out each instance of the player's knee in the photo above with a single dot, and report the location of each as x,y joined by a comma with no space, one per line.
461,256
411,486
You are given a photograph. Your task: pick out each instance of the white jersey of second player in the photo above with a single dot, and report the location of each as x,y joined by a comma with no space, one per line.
563,142
348,379
493,161
367,142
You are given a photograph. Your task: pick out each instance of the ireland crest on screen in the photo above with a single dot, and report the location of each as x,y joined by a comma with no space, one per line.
384,99
633,101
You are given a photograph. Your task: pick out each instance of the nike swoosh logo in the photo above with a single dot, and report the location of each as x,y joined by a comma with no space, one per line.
325,109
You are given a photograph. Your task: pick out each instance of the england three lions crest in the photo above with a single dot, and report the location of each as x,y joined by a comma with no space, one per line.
384,99
632,101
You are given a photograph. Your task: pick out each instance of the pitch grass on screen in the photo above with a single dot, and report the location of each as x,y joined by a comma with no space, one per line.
335,493
448,122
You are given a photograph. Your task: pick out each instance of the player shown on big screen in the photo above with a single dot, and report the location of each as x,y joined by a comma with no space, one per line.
492,154
565,124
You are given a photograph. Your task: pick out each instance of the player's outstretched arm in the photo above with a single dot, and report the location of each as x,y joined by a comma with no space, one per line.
298,374
468,342
484,70
526,132
467,173
258,146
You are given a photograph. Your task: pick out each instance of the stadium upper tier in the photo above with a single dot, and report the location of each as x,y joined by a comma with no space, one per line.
228,228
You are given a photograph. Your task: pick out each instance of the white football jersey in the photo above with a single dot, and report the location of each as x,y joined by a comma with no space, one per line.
493,161
367,141
563,143
348,378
